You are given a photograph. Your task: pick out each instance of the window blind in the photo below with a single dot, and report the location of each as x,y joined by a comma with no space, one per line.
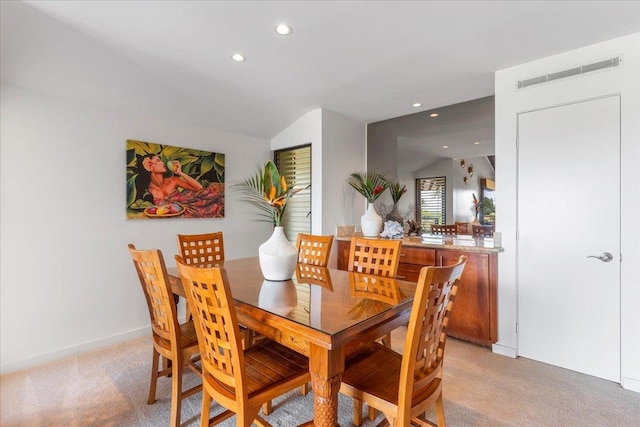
431,201
295,165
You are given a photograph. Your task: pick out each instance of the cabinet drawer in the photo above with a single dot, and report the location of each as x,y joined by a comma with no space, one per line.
420,256
409,272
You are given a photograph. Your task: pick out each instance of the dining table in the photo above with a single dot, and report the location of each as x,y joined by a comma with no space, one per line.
321,313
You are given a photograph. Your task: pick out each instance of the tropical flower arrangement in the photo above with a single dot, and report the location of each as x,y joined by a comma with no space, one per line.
396,191
268,191
370,184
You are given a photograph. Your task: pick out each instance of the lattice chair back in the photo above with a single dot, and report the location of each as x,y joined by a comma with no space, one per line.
449,230
374,256
217,328
201,248
153,277
482,230
314,250
427,329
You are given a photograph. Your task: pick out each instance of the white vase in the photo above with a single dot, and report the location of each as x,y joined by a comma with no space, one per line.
278,297
278,256
371,222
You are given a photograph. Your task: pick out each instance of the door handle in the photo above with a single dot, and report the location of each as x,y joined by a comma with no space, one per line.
604,257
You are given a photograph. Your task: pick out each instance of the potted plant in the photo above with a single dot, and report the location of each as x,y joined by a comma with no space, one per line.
396,193
268,191
371,185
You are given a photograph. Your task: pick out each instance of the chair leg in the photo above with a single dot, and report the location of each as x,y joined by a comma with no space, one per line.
267,408
304,389
357,412
155,361
176,393
371,413
386,340
440,411
206,408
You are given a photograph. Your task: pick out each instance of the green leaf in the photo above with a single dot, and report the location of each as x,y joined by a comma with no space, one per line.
143,148
219,159
131,190
206,166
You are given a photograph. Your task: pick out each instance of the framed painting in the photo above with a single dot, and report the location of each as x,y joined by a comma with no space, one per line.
164,181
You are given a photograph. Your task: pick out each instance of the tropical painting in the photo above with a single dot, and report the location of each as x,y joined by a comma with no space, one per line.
164,181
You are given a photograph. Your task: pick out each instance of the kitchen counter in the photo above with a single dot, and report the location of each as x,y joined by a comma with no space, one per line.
461,242
474,318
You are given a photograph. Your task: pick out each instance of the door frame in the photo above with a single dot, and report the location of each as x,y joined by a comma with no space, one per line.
517,222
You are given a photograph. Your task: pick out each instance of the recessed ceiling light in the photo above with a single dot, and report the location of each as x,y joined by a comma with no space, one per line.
433,115
476,143
238,57
283,29
445,146
417,104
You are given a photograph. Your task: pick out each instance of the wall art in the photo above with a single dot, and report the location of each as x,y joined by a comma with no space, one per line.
164,181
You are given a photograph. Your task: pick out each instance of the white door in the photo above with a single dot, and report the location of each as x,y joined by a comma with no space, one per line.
569,210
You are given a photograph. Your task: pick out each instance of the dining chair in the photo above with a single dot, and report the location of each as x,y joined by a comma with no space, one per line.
201,248
313,249
207,248
239,380
449,230
375,256
403,386
176,343
463,228
482,230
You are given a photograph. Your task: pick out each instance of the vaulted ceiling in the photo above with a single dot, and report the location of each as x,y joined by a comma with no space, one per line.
368,60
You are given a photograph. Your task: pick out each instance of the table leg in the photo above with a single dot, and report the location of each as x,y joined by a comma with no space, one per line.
326,367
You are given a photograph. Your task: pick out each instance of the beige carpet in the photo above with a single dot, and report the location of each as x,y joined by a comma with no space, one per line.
109,388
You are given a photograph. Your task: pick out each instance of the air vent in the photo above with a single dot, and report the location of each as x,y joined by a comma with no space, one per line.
600,65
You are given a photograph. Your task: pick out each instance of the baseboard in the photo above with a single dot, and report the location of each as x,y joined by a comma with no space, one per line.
630,384
70,351
504,350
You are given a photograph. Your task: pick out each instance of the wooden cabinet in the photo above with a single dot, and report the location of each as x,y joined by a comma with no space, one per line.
474,315
412,260
474,312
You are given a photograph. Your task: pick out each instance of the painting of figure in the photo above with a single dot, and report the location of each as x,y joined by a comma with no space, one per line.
164,181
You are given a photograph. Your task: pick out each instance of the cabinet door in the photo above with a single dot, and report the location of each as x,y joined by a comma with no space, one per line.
473,316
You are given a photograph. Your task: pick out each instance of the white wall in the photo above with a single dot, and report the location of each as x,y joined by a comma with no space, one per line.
344,151
67,282
337,148
624,80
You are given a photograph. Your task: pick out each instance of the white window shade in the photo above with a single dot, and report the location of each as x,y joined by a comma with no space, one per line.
295,165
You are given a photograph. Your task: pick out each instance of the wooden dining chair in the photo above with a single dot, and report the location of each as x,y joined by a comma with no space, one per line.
201,248
463,228
314,250
375,256
239,380
176,343
449,230
404,386
482,230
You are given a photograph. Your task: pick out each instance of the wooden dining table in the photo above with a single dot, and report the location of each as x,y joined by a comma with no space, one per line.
316,313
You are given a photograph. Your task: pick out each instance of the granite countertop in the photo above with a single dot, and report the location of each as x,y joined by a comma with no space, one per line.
461,242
